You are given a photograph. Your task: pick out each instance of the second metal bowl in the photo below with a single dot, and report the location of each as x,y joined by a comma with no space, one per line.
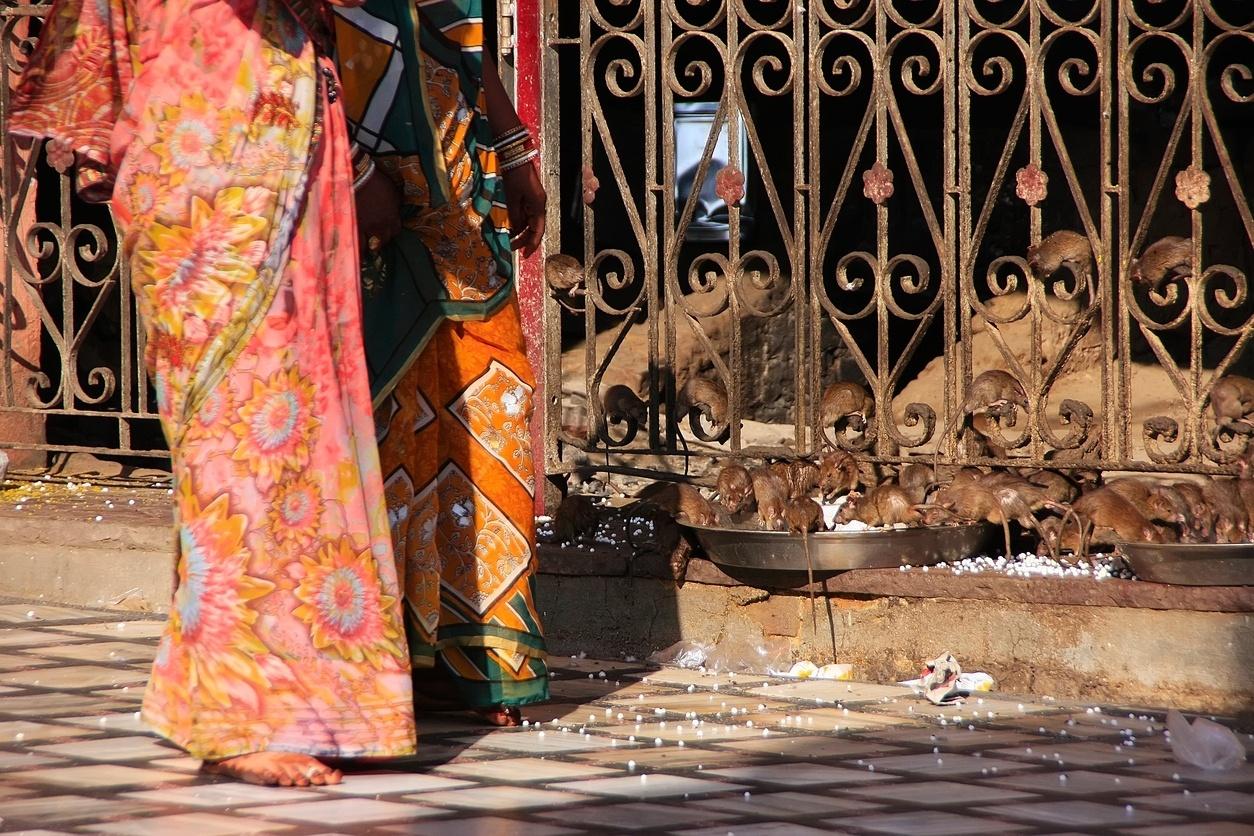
832,552
1192,564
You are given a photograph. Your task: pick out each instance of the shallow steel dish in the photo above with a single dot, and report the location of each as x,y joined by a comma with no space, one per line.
753,550
1192,564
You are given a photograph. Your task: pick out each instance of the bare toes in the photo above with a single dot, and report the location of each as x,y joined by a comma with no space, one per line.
295,774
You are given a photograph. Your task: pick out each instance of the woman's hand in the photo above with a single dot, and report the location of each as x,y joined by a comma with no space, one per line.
378,210
526,200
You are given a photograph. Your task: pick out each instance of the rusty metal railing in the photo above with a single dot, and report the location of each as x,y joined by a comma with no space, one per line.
70,350
900,162
1057,189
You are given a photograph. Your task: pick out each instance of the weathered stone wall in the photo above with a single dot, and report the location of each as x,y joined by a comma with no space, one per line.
1203,661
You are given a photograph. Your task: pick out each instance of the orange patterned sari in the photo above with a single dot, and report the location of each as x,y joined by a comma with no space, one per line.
455,445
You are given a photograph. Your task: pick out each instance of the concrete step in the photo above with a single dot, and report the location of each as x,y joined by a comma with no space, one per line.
1117,641
122,579
89,545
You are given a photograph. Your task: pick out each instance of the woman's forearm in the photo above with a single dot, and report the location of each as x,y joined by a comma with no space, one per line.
501,114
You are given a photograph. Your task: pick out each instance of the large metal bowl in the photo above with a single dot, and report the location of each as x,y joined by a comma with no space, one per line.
1192,564
779,555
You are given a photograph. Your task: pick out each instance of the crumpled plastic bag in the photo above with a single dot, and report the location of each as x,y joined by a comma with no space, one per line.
944,683
747,649
940,679
740,648
1204,744
683,654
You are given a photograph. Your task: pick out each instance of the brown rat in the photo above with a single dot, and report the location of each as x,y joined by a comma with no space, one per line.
771,495
1245,462
1015,498
708,395
1200,527
986,431
1084,477
564,274
802,516
990,388
1245,490
843,399
967,476
1105,509
735,488
968,503
838,473
1058,488
1059,248
1159,503
799,475
886,504
683,502
917,479
1169,255
1231,520
577,515
1232,400
780,470
621,403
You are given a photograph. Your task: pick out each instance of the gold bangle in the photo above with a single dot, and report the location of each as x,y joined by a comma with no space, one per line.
511,135
519,162
513,152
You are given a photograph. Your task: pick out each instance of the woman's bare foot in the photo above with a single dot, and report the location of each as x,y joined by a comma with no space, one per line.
275,769
499,715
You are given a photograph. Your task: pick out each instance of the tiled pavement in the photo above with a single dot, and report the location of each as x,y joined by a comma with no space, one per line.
621,748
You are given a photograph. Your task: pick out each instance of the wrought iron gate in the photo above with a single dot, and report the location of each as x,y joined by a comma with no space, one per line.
901,158
897,160
70,352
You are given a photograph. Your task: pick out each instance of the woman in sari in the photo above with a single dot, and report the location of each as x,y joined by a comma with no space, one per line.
217,130
449,371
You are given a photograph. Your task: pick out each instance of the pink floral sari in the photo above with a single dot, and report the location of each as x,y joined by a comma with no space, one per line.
215,128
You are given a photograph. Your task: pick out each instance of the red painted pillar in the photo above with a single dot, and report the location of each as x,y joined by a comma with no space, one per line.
529,96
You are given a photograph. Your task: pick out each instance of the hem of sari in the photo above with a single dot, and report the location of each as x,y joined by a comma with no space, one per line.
530,646
195,746
490,693
422,654
499,693
434,316
493,692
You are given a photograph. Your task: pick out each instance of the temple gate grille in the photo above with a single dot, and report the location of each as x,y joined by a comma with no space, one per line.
785,194
754,199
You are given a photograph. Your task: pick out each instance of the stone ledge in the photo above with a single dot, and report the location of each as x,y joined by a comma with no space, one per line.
937,583
140,537
70,521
